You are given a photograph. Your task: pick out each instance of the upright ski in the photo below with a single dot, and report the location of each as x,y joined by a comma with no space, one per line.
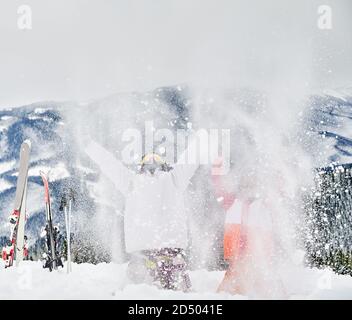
15,250
52,261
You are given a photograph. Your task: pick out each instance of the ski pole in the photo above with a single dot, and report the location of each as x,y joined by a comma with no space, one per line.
67,238
69,267
66,223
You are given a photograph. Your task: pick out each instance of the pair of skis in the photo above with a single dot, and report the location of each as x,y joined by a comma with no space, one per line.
66,206
17,243
54,260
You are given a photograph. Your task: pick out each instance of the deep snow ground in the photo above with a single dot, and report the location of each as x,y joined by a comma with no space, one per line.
108,281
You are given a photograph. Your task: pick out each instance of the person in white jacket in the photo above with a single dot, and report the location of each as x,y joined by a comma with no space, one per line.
155,219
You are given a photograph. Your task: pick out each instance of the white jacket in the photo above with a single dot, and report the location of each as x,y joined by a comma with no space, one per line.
155,215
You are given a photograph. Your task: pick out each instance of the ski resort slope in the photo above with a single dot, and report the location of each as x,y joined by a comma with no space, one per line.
108,281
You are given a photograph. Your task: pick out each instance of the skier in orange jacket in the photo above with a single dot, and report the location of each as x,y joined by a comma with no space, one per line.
248,238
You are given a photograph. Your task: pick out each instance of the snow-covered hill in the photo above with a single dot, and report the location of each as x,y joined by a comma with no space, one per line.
331,117
59,131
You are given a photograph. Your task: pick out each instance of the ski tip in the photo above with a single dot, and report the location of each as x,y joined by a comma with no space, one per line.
42,173
27,142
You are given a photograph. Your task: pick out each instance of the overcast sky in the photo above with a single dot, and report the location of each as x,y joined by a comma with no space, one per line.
84,49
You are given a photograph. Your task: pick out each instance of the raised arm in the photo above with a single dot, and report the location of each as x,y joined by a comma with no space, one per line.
111,167
197,153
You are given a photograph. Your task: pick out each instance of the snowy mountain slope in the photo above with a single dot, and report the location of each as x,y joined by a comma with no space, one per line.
331,117
59,131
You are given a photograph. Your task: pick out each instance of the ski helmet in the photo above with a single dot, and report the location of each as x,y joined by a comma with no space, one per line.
152,162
